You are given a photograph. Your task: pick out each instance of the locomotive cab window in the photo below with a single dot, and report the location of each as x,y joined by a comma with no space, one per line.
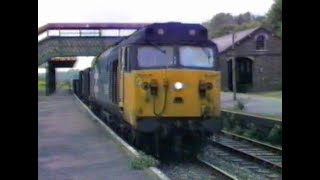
155,56
201,57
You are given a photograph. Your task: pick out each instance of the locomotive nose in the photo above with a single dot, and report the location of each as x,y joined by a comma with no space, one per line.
178,93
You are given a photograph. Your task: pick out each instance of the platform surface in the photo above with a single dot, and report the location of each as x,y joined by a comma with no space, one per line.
71,146
254,104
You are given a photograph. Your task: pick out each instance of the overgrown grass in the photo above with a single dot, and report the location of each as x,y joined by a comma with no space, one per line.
63,85
236,109
59,85
273,136
41,85
274,94
143,161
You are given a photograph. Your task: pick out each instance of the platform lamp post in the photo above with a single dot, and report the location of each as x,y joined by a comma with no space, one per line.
234,82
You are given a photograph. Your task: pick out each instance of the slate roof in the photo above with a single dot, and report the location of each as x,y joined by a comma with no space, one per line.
225,42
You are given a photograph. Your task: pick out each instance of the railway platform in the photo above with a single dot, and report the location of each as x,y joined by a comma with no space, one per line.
254,104
71,146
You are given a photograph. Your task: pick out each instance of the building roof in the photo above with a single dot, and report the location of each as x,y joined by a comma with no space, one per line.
225,42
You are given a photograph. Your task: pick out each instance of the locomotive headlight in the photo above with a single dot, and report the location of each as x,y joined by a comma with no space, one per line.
178,86
192,32
160,31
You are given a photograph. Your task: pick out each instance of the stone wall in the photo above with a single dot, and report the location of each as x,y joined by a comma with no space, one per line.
266,66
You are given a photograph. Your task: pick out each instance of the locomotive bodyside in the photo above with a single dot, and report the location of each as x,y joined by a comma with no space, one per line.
85,84
75,85
80,84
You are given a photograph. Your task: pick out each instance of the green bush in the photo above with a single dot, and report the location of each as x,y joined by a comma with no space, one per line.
275,135
228,123
63,85
238,130
278,87
251,132
143,161
41,85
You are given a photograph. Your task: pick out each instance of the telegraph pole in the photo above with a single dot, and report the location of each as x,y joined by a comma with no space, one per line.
234,82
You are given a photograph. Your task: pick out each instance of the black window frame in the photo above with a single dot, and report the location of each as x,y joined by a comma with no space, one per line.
177,65
260,47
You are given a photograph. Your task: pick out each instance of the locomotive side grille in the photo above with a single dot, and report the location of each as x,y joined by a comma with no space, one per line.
115,83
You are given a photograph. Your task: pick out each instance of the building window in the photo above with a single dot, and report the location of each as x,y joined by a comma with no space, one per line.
260,43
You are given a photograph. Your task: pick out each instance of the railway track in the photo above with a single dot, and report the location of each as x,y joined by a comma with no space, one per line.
223,174
261,152
196,169
239,157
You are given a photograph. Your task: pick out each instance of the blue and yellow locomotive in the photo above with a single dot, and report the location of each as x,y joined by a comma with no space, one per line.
160,83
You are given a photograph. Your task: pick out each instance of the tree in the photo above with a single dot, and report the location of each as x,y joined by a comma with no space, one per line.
248,25
274,17
260,19
226,29
222,19
223,23
244,18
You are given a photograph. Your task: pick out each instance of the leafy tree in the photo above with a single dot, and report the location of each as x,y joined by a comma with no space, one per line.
223,23
259,18
248,25
244,18
222,19
274,17
226,29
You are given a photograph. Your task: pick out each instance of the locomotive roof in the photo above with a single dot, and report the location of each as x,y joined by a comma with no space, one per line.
170,33
163,33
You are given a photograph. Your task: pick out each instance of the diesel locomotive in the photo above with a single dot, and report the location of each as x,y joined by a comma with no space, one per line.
159,86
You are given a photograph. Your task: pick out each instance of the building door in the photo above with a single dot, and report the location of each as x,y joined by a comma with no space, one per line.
243,74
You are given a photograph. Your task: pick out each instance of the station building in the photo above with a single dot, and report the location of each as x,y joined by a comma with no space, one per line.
258,55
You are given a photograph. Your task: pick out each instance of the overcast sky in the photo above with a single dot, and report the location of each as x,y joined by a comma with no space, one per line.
142,11
192,11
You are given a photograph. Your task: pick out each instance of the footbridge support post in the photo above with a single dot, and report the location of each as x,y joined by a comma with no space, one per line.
50,79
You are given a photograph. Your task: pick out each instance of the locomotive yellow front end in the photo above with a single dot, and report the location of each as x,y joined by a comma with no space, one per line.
174,87
177,93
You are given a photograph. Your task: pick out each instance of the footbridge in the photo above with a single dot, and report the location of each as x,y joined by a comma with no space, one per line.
77,39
